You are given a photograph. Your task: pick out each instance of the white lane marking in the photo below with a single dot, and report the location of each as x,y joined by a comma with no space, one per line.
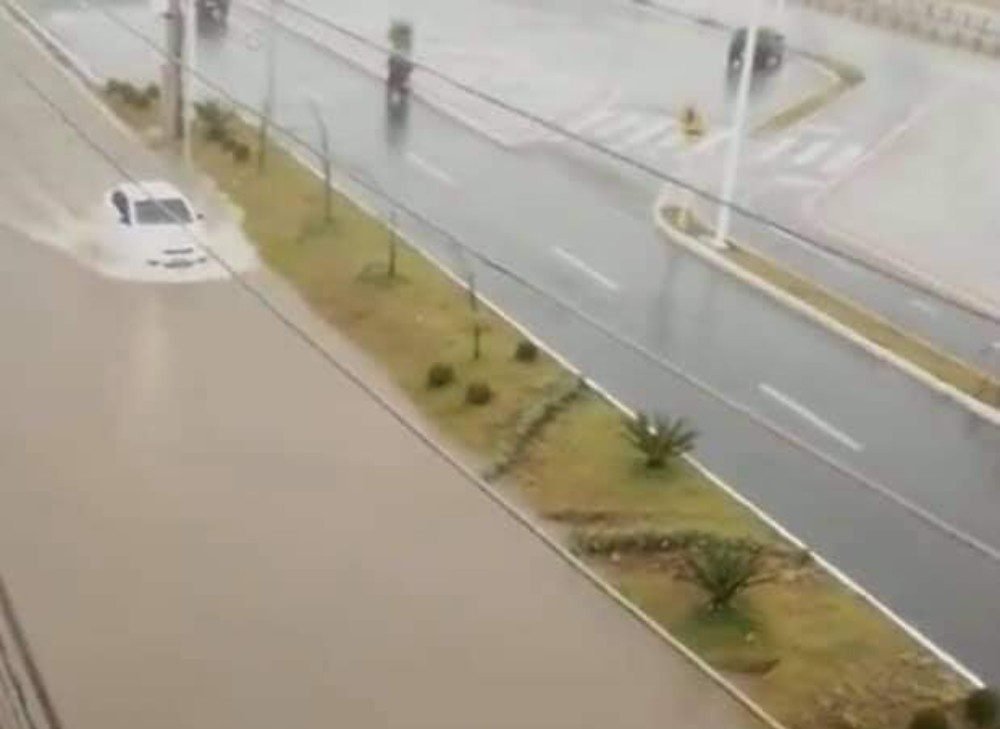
581,266
429,169
843,159
800,181
923,306
620,123
644,135
598,117
712,140
806,414
812,152
777,149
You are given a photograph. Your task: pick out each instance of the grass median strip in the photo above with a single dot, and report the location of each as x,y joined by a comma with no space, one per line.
949,369
808,650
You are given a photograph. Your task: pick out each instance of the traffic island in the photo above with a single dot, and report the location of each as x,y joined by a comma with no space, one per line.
844,78
802,645
965,383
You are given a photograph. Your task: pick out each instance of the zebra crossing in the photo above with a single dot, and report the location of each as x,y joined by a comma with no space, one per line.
645,133
806,157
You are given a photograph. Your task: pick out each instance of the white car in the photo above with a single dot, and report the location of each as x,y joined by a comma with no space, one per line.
156,225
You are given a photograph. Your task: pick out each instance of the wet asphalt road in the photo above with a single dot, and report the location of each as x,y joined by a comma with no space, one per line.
204,524
587,237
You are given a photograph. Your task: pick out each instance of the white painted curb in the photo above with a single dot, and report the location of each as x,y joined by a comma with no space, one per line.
981,409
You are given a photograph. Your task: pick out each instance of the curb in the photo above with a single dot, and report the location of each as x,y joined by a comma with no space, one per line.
974,406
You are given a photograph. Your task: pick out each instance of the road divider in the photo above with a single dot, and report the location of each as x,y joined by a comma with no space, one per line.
970,387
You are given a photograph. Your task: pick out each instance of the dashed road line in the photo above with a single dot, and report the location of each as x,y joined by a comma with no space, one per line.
808,415
430,169
583,267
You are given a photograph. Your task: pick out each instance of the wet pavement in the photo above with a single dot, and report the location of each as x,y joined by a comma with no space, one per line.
204,524
582,231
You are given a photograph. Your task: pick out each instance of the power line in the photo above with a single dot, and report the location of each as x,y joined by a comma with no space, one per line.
842,469
625,159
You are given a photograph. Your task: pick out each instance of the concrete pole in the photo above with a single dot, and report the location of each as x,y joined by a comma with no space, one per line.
190,59
739,130
172,83
270,88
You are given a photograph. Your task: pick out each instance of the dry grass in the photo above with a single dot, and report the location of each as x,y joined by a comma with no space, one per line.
847,77
581,469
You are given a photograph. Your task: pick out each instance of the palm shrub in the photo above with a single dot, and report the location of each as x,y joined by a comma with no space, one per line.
982,708
659,438
724,568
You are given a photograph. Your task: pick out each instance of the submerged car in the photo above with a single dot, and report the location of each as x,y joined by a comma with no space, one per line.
768,54
157,225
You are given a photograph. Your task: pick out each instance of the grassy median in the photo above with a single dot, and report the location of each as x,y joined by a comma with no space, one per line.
949,369
808,650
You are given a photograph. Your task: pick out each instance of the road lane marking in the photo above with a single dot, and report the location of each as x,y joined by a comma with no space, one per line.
800,181
712,140
825,129
923,306
843,159
429,169
581,266
598,117
812,152
777,149
620,123
836,260
806,414
644,135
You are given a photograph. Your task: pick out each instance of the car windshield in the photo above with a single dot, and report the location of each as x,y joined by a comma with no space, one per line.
162,212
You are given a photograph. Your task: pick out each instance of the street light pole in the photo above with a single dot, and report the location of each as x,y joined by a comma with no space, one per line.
739,129
190,44
271,81
324,137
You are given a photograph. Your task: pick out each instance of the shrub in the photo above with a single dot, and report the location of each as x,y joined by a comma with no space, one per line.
129,93
725,567
930,718
659,438
227,143
982,707
113,87
440,375
241,151
151,92
478,393
527,351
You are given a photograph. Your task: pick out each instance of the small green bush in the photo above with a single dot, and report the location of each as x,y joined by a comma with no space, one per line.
151,92
241,152
478,393
440,375
930,718
527,351
113,87
227,143
129,93
659,438
982,708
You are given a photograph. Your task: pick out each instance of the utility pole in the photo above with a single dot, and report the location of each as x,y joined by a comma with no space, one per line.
270,81
324,137
172,77
187,94
739,124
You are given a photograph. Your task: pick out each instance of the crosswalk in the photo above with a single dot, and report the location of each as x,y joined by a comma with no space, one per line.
809,157
640,132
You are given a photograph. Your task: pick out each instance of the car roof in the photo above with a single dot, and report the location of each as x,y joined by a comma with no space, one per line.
150,189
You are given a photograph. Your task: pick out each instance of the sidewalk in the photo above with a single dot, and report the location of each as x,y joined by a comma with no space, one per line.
204,525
